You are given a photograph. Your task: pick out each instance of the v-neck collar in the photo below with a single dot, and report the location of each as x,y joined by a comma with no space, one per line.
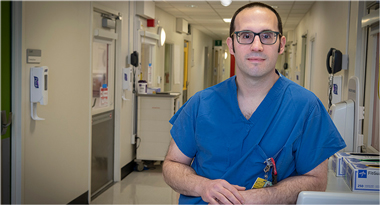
264,105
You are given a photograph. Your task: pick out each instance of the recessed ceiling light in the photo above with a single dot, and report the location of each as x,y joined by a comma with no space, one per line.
192,6
275,7
227,20
226,2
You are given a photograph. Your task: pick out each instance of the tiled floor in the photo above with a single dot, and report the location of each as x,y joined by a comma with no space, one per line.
146,187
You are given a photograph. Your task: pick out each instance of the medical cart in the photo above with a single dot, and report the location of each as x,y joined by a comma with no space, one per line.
153,128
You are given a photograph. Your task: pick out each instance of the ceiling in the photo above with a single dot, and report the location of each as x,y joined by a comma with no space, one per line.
207,16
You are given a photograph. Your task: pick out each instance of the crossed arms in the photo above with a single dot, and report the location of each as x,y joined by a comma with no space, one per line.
182,178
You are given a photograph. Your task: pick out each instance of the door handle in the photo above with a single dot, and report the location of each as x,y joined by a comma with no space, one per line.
4,122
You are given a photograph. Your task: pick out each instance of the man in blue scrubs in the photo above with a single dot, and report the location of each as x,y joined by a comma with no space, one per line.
256,137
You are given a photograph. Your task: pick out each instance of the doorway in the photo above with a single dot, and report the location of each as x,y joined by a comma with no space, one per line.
303,60
5,142
103,102
185,71
217,65
207,69
168,67
371,99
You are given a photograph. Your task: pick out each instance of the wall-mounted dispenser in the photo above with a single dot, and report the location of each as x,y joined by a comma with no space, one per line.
127,80
343,116
38,89
347,117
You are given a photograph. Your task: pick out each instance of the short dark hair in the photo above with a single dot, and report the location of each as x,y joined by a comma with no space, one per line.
251,5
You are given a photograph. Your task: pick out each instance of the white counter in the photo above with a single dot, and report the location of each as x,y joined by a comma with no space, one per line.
337,192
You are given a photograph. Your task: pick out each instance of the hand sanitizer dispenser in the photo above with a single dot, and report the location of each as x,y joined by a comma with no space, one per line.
342,114
127,79
38,89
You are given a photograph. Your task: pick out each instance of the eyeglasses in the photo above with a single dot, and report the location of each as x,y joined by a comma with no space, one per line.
266,37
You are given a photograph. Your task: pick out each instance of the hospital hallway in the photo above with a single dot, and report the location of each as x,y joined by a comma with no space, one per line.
145,187
89,89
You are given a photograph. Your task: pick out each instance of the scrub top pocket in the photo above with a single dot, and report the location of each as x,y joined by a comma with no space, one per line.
245,171
254,166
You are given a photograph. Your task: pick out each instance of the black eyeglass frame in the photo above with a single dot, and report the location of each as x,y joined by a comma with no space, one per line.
254,36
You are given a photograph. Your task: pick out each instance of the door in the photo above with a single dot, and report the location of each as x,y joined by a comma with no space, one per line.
103,86
303,61
310,68
207,81
168,67
217,65
372,86
5,144
185,71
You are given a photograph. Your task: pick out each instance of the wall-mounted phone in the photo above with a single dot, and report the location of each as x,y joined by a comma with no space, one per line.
135,59
134,63
333,65
336,61
38,89
127,80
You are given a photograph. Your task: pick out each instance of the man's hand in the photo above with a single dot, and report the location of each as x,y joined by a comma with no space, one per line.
221,192
183,179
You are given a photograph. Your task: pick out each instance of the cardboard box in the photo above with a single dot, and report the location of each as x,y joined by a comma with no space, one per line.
153,90
361,175
337,164
337,161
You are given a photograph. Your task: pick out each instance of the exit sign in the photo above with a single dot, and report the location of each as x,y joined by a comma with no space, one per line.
218,42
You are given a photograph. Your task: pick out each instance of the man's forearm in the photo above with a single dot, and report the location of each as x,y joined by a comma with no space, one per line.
182,178
288,189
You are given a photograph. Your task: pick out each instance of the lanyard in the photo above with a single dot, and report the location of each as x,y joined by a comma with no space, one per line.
271,163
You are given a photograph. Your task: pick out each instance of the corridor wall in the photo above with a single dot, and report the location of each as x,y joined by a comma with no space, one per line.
55,163
326,23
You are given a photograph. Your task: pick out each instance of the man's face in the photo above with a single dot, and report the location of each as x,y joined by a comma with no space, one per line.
256,60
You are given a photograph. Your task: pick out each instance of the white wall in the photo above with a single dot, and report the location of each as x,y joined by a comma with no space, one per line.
196,72
56,150
327,22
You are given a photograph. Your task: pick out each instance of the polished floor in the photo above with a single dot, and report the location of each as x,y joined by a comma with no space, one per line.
146,187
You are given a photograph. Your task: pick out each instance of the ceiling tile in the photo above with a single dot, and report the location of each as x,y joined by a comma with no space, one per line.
299,11
296,15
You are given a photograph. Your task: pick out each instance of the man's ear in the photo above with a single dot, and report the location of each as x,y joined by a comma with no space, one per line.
230,45
281,48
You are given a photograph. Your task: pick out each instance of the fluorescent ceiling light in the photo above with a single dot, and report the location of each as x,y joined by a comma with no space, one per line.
227,20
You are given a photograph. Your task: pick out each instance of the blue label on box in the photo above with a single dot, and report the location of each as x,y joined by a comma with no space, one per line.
362,174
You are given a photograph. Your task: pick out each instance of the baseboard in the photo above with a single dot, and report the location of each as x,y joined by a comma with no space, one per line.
82,199
127,169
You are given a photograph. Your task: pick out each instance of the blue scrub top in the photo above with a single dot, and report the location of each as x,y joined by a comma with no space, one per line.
291,125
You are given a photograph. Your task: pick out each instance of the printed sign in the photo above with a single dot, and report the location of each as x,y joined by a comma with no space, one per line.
103,97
